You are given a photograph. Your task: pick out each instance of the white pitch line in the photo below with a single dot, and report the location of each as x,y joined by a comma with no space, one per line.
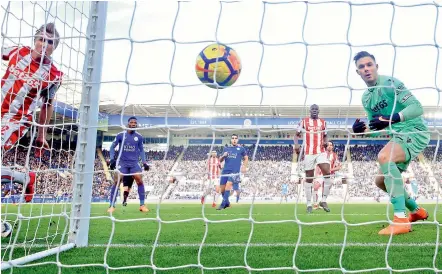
153,213
178,245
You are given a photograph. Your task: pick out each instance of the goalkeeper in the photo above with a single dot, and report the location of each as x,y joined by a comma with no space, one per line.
130,146
387,101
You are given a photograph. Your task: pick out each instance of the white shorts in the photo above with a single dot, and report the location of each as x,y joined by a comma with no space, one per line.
310,161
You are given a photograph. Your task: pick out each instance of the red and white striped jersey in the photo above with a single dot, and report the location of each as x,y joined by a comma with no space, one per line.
315,132
214,167
23,79
334,161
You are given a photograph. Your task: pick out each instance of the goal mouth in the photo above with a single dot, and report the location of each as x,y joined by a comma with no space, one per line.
267,212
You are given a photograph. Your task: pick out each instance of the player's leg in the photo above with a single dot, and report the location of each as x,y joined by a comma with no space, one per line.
235,188
226,186
316,185
393,159
324,166
417,213
114,188
216,192
11,133
309,166
141,191
127,186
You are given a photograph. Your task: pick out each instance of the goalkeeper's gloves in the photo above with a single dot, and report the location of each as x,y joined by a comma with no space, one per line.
113,164
379,122
359,126
146,166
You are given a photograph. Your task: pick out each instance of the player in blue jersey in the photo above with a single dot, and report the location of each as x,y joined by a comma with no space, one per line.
130,150
233,156
284,192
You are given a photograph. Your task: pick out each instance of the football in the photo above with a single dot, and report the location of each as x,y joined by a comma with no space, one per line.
6,229
218,66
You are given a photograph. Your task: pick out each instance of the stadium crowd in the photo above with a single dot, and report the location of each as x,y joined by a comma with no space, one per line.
270,168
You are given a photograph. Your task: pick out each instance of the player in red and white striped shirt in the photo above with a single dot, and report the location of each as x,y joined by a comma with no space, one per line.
315,138
30,78
213,168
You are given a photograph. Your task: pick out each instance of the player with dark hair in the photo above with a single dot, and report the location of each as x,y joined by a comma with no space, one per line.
392,107
233,156
130,150
315,137
30,77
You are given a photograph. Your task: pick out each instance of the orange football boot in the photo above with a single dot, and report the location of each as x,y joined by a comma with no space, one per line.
143,208
399,226
421,214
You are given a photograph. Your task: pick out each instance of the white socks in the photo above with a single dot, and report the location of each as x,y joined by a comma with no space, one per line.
308,192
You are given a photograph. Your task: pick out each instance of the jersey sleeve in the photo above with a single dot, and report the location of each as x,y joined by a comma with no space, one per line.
141,149
244,152
115,143
9,52
324,128
411,107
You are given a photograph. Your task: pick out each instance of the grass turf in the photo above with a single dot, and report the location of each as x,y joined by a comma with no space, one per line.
272,243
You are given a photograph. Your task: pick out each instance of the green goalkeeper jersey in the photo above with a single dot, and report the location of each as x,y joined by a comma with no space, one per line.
380,99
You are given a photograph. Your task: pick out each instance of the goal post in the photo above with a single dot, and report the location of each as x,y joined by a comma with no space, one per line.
78,221
88,124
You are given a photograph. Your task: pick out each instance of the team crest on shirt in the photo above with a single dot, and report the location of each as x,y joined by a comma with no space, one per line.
135,138
237,148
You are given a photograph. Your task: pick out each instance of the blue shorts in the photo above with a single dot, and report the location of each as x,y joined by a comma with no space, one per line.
235,186
235,179
129,169
284,193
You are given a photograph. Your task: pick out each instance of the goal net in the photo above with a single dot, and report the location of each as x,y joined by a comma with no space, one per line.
138,59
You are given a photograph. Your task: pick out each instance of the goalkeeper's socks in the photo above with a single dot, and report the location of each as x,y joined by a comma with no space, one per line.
410,203
113,194
326,189
395,187
308,192
141,194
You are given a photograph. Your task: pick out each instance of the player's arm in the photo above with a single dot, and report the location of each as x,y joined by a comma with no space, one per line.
411,107
115,143
9,52
46,112
142,154
325,135
245,163
297,136
337,165
223,156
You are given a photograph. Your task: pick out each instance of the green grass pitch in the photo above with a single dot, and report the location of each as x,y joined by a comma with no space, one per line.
272,245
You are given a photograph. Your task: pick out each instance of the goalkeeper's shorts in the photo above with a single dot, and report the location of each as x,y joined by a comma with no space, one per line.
412,144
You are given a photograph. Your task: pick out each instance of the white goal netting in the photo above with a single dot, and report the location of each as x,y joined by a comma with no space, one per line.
293,54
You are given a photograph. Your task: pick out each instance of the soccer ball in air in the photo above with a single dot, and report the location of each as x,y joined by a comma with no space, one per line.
218,66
